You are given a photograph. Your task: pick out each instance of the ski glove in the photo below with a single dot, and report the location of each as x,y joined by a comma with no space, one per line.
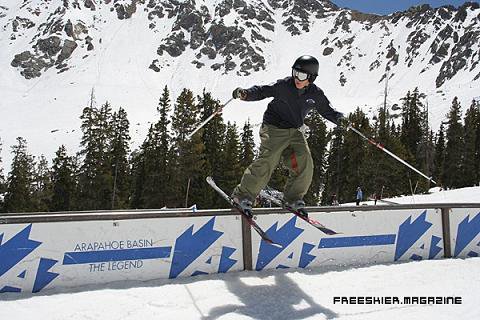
239,93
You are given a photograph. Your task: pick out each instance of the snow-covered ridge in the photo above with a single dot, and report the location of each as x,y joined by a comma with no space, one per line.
55,51
232,36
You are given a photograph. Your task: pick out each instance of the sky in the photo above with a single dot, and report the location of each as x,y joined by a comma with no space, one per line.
386,7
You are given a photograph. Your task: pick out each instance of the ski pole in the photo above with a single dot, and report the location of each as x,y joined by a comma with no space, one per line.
218,111
381,147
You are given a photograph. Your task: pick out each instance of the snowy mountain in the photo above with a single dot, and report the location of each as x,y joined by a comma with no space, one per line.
55,51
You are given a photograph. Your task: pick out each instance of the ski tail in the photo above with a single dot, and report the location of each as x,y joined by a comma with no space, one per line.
212,183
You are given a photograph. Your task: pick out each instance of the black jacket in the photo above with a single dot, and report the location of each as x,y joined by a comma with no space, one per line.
290,106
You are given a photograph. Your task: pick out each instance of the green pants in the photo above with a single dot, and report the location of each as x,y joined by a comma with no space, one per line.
289,145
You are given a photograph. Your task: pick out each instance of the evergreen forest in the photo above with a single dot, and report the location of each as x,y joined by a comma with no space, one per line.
168,170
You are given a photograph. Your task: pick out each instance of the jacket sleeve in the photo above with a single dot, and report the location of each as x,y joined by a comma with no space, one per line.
256,93
325,108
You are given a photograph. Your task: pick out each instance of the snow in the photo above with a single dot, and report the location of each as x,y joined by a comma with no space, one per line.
436,195
118,70
279,294
275,294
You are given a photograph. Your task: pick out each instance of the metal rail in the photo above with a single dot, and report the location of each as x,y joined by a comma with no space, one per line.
444,209
35,217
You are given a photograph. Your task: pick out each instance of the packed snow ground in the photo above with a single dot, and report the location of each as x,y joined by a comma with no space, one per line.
436,195
279,294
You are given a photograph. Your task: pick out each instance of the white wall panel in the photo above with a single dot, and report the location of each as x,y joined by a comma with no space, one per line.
34,257
465,232
365,237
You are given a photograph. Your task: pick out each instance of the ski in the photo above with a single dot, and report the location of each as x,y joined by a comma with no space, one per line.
235,205
280,202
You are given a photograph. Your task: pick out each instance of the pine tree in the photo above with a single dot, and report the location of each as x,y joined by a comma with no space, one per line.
105,180
247,153
213,137
391,177
188,154
88,171
231,172
18,196
382,127
155,158
412,120
452,176
439,156
2,180
426,160
153,169
153,185
42,186
477,144
163,149
63,181
356,163
95,177
352,162
384,172
334,177
137,160
425,156
120,168
317,141
469,164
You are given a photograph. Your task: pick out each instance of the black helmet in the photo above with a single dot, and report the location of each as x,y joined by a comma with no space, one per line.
307,64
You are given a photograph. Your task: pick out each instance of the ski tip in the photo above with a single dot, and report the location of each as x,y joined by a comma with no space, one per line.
276,245
325,230
329,232
270,242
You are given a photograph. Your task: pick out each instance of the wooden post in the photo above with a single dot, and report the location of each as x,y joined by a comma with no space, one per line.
447,249
247,244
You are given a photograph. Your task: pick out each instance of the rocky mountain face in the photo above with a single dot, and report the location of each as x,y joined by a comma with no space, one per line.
234,36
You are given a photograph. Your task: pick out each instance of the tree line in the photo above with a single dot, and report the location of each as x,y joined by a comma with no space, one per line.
168,170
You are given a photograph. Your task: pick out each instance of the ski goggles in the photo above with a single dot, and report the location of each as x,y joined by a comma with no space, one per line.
300,75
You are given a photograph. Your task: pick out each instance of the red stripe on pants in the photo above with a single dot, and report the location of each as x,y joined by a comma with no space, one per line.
293,159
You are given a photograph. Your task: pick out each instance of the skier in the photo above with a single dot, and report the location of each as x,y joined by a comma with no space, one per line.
359,195
333,200
281,133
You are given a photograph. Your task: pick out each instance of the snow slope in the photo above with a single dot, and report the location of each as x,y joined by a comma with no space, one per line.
45,110
462,195
276,295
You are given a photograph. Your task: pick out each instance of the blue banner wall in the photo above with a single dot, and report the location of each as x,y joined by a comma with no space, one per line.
36,257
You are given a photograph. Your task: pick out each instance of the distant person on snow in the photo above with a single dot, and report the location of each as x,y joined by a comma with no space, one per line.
359,195
281,134
333,200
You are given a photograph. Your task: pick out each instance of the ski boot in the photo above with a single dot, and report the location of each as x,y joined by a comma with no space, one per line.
246,205
299,206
